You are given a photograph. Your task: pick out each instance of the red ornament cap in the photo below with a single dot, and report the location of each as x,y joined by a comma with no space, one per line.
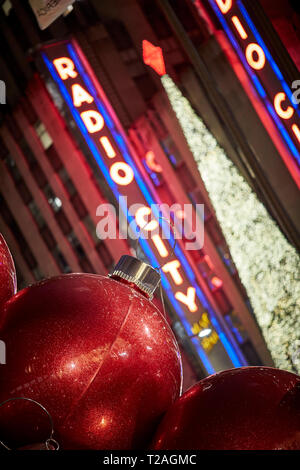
153,57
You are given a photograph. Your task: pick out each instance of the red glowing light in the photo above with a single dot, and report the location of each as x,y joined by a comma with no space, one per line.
256,62
283,113
216,281
239,27
188,299
153,56
65,67
151,162
224,5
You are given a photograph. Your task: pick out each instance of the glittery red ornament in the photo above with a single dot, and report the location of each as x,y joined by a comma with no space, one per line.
96,354
247,408
8,281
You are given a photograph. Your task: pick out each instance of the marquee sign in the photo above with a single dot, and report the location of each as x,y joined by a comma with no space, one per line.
100,128
264,74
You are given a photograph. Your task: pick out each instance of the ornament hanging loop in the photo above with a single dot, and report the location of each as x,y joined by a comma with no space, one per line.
51,443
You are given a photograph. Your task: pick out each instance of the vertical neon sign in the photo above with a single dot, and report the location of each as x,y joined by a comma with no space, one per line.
264,74
103,134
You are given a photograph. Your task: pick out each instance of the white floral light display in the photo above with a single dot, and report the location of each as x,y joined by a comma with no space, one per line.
267,263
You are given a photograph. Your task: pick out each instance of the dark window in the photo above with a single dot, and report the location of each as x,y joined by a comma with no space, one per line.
39,175
86,266
28,255
295,5
78,248
104,255
54,158
12,168
36,214
13,127
24,192
91,227
86,11
79,206
48,237
61,260
3,149
68,183
5,212
27,152
76,245
63,222
29,111
15,229
48,192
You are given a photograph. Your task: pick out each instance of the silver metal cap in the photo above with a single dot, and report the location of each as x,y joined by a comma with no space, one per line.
141,274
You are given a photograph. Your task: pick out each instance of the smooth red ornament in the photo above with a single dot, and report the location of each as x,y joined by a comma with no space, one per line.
248,408
8,280
96,354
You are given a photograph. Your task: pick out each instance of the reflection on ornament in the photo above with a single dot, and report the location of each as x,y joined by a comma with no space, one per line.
8,280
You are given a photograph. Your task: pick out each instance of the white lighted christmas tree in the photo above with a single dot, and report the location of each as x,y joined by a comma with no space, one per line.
268,265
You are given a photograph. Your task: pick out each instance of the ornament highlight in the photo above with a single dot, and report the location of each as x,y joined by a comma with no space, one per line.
8,279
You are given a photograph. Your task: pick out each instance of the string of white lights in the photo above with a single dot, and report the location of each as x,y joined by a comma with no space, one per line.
268,265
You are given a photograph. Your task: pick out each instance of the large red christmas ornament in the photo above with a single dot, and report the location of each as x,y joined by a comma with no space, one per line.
248,408
93,351
8,281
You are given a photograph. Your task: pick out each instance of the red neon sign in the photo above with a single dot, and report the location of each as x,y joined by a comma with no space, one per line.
266,77
153,56
102,132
